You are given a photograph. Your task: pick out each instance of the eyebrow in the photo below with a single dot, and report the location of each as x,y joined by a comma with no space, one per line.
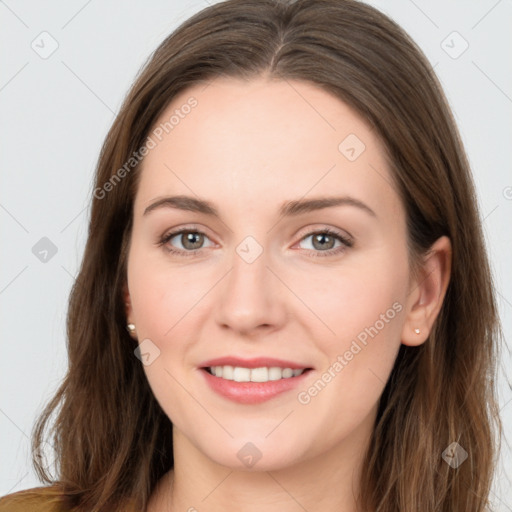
288,208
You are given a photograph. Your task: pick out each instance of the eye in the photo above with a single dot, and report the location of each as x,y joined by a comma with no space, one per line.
191,241
324,242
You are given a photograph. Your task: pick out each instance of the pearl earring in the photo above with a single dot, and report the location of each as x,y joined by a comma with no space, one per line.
131,328
417,331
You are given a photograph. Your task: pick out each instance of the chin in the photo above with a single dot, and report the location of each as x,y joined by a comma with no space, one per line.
254,453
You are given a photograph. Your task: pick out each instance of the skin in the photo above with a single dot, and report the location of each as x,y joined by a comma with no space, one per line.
248,147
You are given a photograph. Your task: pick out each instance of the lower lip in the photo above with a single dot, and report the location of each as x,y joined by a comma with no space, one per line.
252,392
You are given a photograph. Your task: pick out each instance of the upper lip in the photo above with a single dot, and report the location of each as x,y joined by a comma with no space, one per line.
257,362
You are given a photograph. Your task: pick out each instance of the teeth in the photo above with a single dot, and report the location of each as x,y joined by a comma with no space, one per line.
259,375
240,374
275,373
226,371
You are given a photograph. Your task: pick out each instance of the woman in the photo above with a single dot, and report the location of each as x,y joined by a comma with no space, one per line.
285,301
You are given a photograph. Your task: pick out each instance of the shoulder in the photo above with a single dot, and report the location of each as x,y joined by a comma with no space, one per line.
37,499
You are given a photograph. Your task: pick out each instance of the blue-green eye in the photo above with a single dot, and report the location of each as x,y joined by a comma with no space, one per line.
192,241
325,239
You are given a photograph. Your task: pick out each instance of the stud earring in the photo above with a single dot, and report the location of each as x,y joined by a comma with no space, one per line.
131,328
417,331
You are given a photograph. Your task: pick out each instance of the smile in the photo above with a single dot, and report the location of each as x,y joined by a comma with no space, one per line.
262,374
252,381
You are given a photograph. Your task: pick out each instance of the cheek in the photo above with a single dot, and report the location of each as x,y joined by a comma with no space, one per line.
357,298
358,359
364,311
162,295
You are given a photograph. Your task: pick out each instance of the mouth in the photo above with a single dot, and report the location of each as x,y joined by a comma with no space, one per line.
253,381
261,374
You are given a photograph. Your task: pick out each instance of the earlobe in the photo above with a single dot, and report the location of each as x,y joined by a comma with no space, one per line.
127,301
427,293
130,326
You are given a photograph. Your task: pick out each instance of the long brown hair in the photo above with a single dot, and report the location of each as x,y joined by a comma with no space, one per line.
111,438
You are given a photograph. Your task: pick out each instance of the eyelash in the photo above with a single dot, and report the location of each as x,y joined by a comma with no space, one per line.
347,243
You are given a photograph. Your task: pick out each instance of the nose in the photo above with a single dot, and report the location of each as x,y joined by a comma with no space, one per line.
251,299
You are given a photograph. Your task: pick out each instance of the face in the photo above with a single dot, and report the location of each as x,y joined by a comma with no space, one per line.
259,280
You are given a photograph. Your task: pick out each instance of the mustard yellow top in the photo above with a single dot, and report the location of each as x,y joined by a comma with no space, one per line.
30,500
40,499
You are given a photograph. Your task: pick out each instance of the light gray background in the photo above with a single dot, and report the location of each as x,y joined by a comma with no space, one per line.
56,111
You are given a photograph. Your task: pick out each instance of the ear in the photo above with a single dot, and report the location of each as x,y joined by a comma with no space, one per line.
127,302
128,310
426,293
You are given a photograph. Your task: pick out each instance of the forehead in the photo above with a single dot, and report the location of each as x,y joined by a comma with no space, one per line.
238,142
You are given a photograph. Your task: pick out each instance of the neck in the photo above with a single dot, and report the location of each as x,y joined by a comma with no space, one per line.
329,481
